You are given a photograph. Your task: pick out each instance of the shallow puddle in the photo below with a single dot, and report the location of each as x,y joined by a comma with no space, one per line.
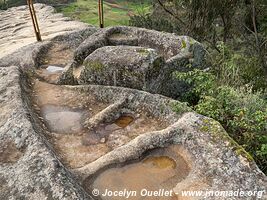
50,73
54,69
103,131
124,121
161,169
160,162
62,119
54,61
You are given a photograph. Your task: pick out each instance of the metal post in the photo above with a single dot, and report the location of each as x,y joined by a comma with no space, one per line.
34,20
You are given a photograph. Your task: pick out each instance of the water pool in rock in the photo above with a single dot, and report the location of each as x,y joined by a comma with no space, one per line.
50,73
65,110
62,119
124,120
160,170
54,69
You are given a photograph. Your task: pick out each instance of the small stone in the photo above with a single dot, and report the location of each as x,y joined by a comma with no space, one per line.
103,140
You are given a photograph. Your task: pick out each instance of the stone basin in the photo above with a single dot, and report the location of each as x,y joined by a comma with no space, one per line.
206,159
124,120
160,169
64,111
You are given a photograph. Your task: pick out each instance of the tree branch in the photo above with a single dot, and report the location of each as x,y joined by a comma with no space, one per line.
171,13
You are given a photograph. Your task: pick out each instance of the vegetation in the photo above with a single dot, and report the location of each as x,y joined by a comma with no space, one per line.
232,87
228,93
117,12
242,113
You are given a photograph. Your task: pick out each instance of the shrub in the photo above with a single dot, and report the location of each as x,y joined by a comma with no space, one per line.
242,112
236,68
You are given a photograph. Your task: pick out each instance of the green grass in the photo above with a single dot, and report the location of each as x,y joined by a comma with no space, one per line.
116,13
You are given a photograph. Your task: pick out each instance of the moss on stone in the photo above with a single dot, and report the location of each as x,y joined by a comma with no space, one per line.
183,44
143,51
95,65
215,129
162,108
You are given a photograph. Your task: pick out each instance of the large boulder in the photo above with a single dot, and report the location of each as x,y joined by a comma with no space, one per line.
126,66
170,46
176,52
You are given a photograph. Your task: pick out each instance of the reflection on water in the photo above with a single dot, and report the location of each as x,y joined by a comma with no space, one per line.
54,69
124,121
161,169
161,162
62,119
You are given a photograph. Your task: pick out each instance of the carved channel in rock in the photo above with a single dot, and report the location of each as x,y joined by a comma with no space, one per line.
134,58
56,138
62,119
50,73
65,111
53,61
80,125
57,54
83,126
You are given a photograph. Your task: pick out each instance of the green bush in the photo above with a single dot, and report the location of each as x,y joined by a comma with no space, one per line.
3,5
243,115
241,112
237,68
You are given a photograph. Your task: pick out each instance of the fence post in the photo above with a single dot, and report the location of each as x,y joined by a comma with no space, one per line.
101,13
34,21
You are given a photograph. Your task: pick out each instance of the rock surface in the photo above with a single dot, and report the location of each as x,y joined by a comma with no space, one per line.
126,66
36,55
167,44
32,166
216,162
16,29
36,173
176,52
